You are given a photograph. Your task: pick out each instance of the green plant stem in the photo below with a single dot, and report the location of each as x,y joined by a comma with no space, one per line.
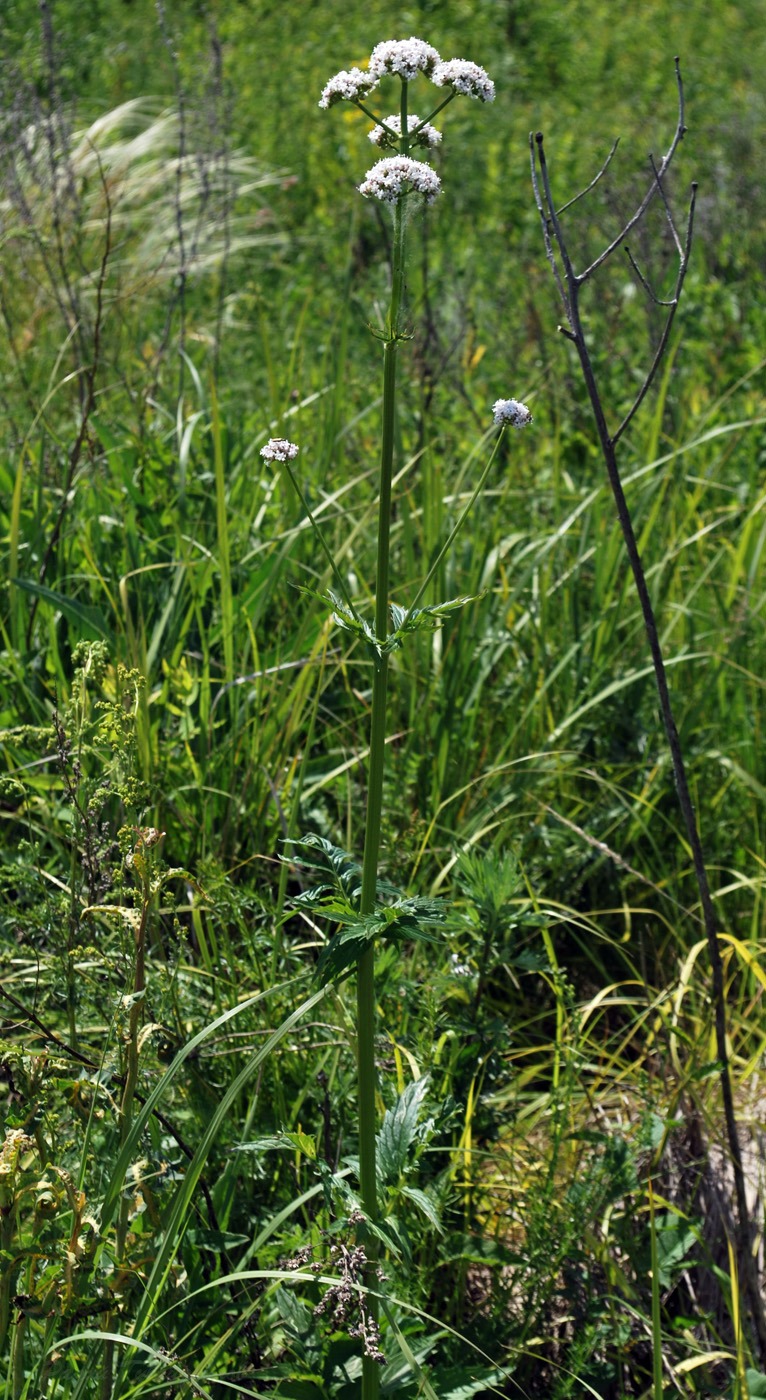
365,989
656,1317
455,531
126,1104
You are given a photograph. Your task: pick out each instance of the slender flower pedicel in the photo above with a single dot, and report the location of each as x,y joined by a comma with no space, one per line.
418,133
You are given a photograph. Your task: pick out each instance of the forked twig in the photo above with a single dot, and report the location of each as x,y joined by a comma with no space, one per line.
570,284
636,218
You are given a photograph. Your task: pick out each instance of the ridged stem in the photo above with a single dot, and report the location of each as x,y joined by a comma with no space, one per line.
366,966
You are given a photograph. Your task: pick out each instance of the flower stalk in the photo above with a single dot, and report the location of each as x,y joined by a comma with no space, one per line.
395,180
365,984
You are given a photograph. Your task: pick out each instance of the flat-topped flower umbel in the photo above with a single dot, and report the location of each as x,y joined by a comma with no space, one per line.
279,450
347,86
392,179
511,411
465,77
405,59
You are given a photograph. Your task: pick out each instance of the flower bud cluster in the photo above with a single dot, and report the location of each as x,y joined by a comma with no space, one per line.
344,1303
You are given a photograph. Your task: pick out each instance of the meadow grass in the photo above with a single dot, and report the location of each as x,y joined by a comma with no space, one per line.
562,1198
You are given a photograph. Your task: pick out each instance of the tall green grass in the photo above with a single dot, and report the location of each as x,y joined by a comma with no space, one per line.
562,1021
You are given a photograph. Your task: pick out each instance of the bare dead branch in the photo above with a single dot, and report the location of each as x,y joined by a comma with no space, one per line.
545,218
678,136
673,304
658,301
593,182
556,249
668,210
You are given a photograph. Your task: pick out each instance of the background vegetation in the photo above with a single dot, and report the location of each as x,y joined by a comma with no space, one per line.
187,271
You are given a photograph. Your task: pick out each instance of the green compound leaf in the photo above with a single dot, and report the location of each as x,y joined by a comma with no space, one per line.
422,619
403,919
344,950
403,621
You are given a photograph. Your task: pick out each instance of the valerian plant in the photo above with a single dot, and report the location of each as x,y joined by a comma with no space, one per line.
352,896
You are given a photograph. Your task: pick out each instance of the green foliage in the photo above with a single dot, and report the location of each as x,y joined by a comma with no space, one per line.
178,1100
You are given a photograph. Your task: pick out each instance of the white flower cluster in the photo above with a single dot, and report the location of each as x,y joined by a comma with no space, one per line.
390,179
279,450
465,77
347,86
407,57
511,411
426,136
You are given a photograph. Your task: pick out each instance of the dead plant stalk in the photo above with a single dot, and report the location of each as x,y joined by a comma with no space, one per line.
570,284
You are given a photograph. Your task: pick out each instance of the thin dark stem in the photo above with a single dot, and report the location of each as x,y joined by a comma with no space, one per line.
678,136
593,182
555,242
550,251
658,301
668,211
673,304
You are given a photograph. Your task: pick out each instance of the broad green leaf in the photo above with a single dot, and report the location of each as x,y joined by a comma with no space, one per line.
424,1203
294,1142
398,1131
344,950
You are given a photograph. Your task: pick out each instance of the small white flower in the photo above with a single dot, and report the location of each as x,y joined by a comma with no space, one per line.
407,57
279,450
458,968
427,136
511,411
465,77
347,86
391,179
